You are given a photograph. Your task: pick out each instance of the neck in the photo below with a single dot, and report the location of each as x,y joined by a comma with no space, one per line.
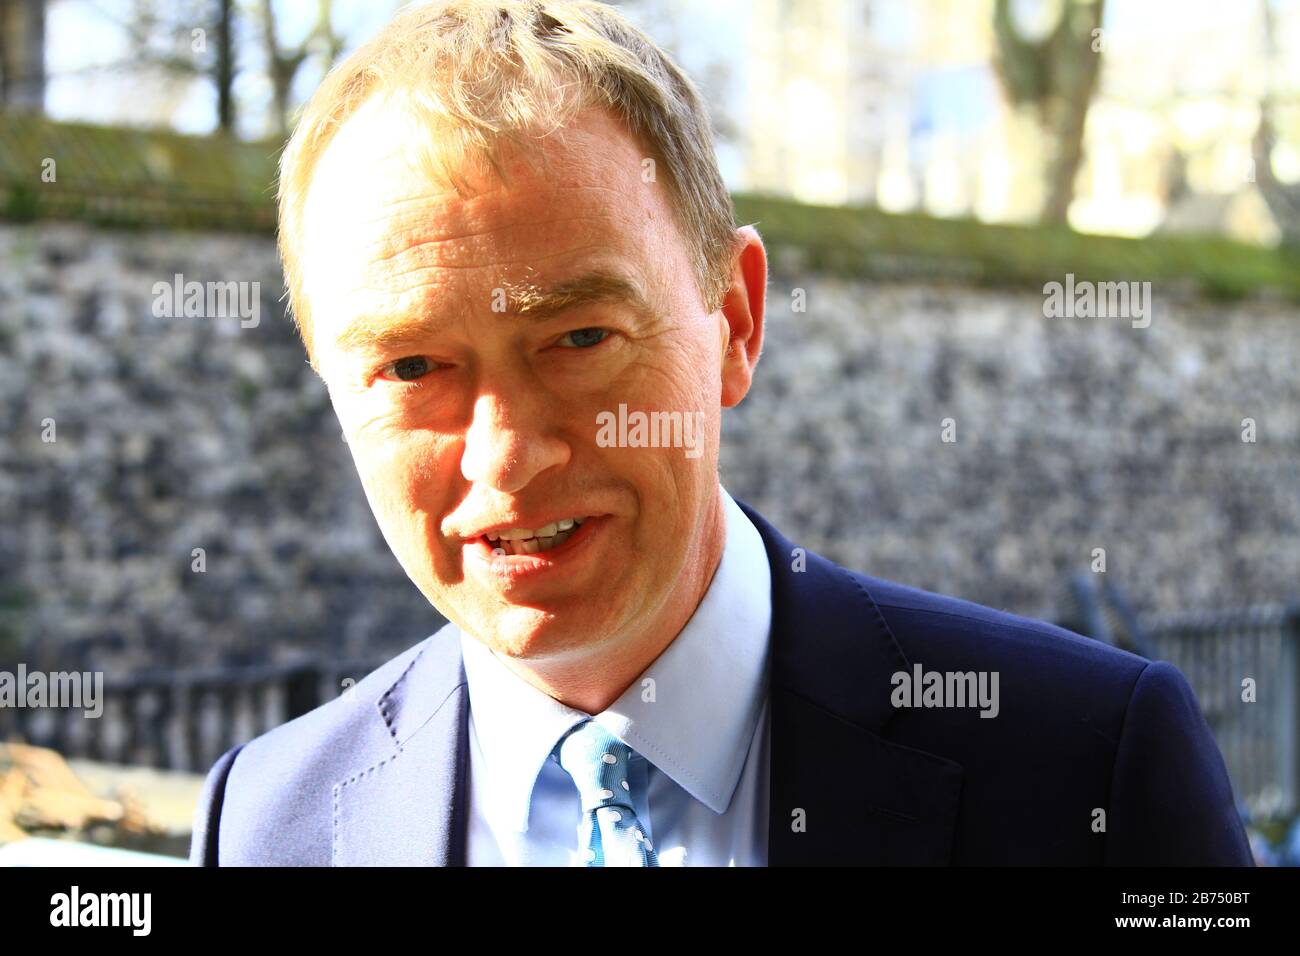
595,680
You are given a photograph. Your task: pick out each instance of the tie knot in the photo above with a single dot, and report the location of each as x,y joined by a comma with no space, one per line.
598,762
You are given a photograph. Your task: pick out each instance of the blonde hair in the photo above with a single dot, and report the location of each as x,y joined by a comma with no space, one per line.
477,72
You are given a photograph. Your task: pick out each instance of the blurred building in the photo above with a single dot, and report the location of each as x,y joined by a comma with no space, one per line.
898,105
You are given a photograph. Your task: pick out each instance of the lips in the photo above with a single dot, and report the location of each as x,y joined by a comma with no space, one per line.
503,565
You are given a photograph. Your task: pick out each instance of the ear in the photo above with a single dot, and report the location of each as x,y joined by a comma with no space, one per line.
741,320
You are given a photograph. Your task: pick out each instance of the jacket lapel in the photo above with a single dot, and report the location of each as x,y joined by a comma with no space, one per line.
840,793
405,804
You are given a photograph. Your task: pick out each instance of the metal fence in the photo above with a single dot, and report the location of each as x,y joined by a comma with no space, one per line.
1245,669
183,721
1242,664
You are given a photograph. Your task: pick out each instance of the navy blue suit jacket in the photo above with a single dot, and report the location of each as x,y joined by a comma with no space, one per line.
377,777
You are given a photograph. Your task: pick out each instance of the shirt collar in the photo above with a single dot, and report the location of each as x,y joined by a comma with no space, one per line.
691,713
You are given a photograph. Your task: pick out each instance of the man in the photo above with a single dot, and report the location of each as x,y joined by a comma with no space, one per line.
514,264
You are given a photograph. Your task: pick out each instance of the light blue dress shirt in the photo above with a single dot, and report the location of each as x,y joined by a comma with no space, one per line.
702,738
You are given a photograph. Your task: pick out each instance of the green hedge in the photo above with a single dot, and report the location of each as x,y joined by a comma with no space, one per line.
132,177
140,178
859,241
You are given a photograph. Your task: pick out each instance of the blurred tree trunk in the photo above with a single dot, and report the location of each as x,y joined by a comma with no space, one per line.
22,55
284,63
1283,199
224,77
1057,75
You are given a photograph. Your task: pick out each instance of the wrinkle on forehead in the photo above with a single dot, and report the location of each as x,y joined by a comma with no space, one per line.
375,225
381,137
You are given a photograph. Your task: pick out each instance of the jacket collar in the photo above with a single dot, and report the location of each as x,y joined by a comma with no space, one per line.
405,806
840,792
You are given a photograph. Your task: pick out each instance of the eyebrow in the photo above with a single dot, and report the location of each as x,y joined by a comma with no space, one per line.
523,300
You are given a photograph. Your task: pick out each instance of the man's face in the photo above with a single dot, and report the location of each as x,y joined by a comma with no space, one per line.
470,410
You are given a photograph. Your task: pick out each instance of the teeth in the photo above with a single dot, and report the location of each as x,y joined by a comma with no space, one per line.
523,534
529,541
525,541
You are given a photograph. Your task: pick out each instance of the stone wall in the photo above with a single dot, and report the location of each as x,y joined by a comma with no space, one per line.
174,434
1071,434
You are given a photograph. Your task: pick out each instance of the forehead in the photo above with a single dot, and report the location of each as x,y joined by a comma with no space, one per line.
379,233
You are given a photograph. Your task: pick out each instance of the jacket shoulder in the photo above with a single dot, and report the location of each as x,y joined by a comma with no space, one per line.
943,628
1082,727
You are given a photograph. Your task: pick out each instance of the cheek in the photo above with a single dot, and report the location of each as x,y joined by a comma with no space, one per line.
706,371
401,470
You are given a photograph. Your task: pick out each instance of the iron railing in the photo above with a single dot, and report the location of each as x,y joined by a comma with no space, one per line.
1244,667
183,721
1242,664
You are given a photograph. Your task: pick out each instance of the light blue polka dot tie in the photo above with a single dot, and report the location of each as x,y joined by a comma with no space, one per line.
598,762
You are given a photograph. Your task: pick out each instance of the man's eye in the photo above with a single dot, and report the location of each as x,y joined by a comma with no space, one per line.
584,338
408,369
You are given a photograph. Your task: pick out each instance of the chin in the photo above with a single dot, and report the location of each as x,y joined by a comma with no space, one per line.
525,633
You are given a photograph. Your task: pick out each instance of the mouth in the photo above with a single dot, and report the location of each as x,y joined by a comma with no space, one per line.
515,558
513,541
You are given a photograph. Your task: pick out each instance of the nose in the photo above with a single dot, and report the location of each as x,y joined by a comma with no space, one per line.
509,442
